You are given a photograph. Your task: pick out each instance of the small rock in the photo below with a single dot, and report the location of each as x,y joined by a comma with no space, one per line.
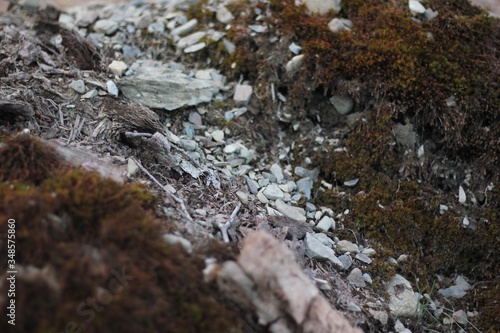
107,27
353,307
442,209
173,239
343,105
78,86
185,28
189,145
242,94
316,250
257,28
310,207
195,48
403,301
230,47
262,198
156,28
195,119
273,192
405,135
399,327
243,197
305,185
346,260
294,63
253,186
462,283
356,278
325,224
369,252
91,94
337,25
430,14
294,48
191,39
303,172
277,172
231,148
462,197
324,239
347,246
294,213
132,167
288,187
381,316
117,67
363,258
269,176
218,135
112,88
460,317
223,15
323,6
367,278
416,7
66,21
144,21
352,182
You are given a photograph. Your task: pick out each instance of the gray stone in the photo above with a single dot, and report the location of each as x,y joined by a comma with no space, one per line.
356,278
363,258
117,67
189,145
262,198
156,28
416,7
305,185
111,88
107,27
294,213
257,28
185,28
191,40
369,252
162,87
403,300
452,292
303,172
173,239
218,135
78,86
324,239
294,63
346,246
277,172
242,94
337,25
294,48
460,317
66,21
195,119
430,14
316,250
243,197
144,21
351,182
223,15
346,260
269,176
273,192
232,148
325,224
343,105
353,307
90,94
323,6
195,48
253,186
310,207
367,278
230,47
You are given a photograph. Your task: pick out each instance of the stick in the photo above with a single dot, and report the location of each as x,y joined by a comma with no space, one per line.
225,226
176,199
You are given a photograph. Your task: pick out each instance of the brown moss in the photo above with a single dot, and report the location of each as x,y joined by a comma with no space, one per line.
27,160
90,257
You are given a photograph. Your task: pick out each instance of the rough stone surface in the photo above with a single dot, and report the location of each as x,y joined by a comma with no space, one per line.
356,278
403,300
117,67
242,94
346,246
294,213
78,86
162,87
343,105
273,192
325,224
323,6
317,250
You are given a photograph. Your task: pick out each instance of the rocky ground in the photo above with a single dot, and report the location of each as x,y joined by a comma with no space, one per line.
361,143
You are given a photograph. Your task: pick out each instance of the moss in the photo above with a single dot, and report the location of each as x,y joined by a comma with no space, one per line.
91,258
397,58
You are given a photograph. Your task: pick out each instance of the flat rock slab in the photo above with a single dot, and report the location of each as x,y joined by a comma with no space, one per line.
161,87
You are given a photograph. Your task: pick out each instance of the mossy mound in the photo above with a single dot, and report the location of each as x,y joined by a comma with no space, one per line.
90,256
417,66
